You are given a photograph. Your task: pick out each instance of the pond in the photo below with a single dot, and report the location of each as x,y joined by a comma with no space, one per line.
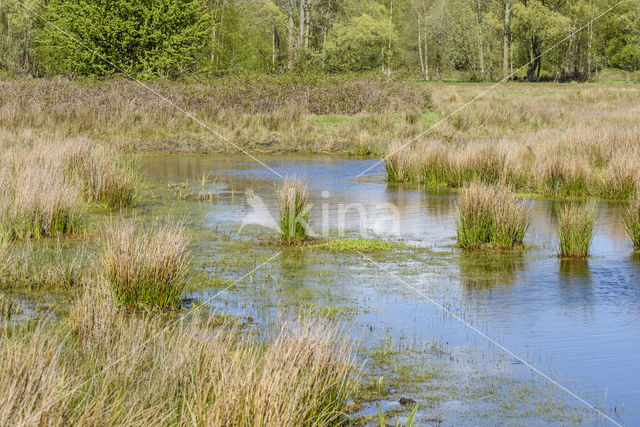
431,321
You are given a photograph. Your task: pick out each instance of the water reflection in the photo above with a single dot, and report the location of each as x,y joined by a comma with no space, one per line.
481,271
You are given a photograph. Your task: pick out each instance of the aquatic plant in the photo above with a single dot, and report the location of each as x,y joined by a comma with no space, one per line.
490,217
293,197
301,375
33,266
576,226
146,268
632,219
360,245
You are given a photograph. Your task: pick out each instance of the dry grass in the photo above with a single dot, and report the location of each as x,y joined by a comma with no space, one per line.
490,217
145,267
556,142
294,206
260,113
576,227
106,368
46,182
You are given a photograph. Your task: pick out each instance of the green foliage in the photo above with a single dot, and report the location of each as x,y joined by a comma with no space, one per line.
361,44
294,210
461,39
490,217
576,226
17,30
150,38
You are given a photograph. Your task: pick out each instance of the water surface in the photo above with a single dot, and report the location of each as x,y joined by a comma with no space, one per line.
575,321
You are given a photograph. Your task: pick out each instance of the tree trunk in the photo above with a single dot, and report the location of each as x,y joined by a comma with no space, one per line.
307,26
301,25
420,47
290,44
506,51
390,32
480,47
273,48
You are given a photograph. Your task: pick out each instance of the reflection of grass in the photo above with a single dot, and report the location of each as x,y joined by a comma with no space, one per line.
576,227
484,270
360,245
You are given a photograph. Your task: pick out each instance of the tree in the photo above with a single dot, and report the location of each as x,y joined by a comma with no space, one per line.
539,24
144,38
18,29
360,44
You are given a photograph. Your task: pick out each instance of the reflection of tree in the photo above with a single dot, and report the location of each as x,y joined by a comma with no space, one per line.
481,270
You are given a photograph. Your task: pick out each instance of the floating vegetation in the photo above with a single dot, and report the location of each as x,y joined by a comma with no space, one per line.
490,217
146,268
294,208
576,227
360,245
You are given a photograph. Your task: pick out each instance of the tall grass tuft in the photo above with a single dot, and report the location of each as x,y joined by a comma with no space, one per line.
45,184
490,217
294,210
192,372
632,219
36,200
146,268
576,226
104,175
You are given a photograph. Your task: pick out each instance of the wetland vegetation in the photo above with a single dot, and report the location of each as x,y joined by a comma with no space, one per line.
139,286
576,227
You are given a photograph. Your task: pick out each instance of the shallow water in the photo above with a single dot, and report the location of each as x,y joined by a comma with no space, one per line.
574,321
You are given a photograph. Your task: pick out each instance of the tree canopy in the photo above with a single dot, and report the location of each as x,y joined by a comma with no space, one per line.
478,39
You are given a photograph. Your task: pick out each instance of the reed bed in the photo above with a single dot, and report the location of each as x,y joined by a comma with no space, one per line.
557,145
293,197
490,217
145,267
576,228
631,217
103,367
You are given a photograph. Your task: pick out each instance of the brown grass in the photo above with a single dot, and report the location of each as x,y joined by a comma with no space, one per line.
47,180
261,113
106,368
556,142
145,267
